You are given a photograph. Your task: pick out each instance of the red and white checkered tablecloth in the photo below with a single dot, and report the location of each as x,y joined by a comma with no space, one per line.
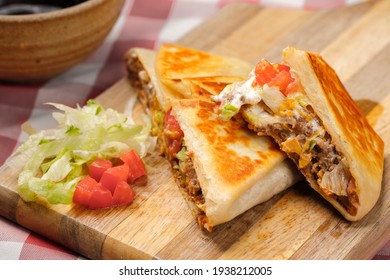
142,23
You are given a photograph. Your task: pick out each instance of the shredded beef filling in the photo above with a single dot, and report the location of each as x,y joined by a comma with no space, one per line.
185,176
189,181
184,172
324,156
140,80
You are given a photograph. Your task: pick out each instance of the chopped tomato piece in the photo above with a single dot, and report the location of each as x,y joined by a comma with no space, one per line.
83,191
123,194
172,133
281,81
136,165
101,198
172,127
274,75
264,72
113,175
281,67
98,166
175,146
107,185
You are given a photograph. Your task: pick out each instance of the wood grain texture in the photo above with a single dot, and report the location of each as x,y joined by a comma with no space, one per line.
295,224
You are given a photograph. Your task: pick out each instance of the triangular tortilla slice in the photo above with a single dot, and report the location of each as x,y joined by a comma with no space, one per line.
176,63
304,106
350,131
234,168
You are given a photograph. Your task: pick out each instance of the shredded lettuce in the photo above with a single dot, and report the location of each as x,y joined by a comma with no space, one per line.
228,111
181,155
57,159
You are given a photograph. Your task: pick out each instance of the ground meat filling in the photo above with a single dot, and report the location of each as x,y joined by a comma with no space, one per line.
189,180
184,171
140,80
186,177
323,155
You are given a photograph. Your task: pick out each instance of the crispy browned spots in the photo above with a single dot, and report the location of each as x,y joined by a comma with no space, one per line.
213,85
221,136
188,58
355,126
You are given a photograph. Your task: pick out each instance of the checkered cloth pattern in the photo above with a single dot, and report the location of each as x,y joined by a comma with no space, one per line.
142,23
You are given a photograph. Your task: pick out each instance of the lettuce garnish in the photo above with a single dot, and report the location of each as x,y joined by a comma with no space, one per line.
55,160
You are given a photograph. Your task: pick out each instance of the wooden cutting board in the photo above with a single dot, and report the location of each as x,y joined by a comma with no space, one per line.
296,224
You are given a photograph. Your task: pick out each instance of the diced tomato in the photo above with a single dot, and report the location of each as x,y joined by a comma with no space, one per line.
98,166
123,194
167,116
281,81
281,67
172,127
264,72
84,190
113,175
274,75
136,165
175,146
101,198
172,133
113,188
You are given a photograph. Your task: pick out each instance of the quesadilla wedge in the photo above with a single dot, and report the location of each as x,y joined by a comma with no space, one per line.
304,106
156,96
222,168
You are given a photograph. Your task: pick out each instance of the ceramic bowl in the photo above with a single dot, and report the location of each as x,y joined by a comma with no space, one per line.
36,47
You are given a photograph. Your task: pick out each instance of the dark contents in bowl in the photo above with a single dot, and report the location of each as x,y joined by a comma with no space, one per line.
26,7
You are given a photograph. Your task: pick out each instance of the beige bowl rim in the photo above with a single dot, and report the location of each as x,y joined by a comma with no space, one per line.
64,12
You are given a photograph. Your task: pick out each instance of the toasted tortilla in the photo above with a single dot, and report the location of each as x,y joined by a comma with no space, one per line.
351,133
203,87
318,125
177,63
235,169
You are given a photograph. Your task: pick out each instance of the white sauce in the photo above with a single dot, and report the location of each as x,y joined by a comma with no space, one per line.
240,93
